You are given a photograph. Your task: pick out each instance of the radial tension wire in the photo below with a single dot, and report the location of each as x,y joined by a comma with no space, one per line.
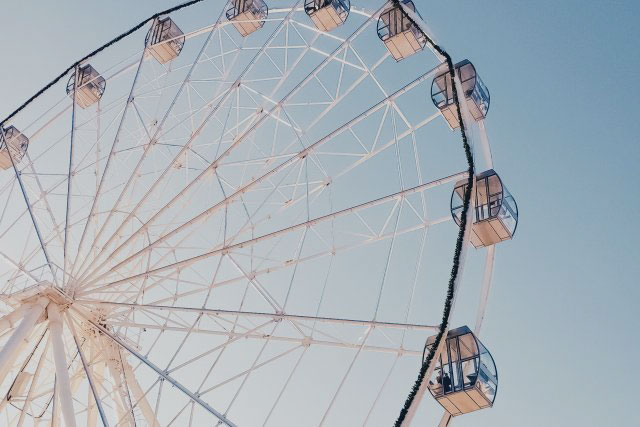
94,53
461,232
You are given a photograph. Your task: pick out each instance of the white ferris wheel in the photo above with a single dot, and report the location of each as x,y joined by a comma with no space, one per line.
245,215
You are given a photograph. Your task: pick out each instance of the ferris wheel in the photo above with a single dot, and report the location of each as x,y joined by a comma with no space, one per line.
246,216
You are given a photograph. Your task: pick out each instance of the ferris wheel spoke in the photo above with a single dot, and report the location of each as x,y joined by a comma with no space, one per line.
70,175
43,197
28,258
87,371
18,267
127,307
111,155
381,390
217,252
255,334
302,154
163,374
248,223
148,147
121,131
346,374
276,265
286,384
225,95
184,226
306,80
230,90
30,209
257,272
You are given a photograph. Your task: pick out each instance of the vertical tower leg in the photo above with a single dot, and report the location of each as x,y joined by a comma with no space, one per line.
55,412
63,384
17,341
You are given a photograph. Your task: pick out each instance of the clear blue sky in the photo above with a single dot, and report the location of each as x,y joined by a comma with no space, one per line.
564,128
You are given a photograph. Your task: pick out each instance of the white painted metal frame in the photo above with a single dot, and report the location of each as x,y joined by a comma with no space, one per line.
222,173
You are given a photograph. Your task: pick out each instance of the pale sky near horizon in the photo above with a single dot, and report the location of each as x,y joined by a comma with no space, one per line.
564,134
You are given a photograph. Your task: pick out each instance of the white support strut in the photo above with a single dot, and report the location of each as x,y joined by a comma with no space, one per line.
123,408
486,287
63,385
20,335
10,320
97,370
88,372
162,373
139,397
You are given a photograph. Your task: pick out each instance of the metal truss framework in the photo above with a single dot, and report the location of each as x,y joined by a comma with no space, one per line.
248,226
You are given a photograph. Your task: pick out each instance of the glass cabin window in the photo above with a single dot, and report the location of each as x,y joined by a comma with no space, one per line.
247,16
327,14
91,86
13,146
476,94
401,37
165,40
495,213
464,378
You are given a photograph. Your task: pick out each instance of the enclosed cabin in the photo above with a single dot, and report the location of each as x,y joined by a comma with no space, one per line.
327,14
464,378
495,212
165,40
13,145
247,15
90,84
476,94
402,37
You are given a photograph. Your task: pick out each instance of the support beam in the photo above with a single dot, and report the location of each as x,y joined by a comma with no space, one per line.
89,375
63,385
138,395
486,148
163,374
98,370
486,288
91,277
255,314
310,223
29,208
123,409
446,418
111,155
34,382
77,80
10,320
20,336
